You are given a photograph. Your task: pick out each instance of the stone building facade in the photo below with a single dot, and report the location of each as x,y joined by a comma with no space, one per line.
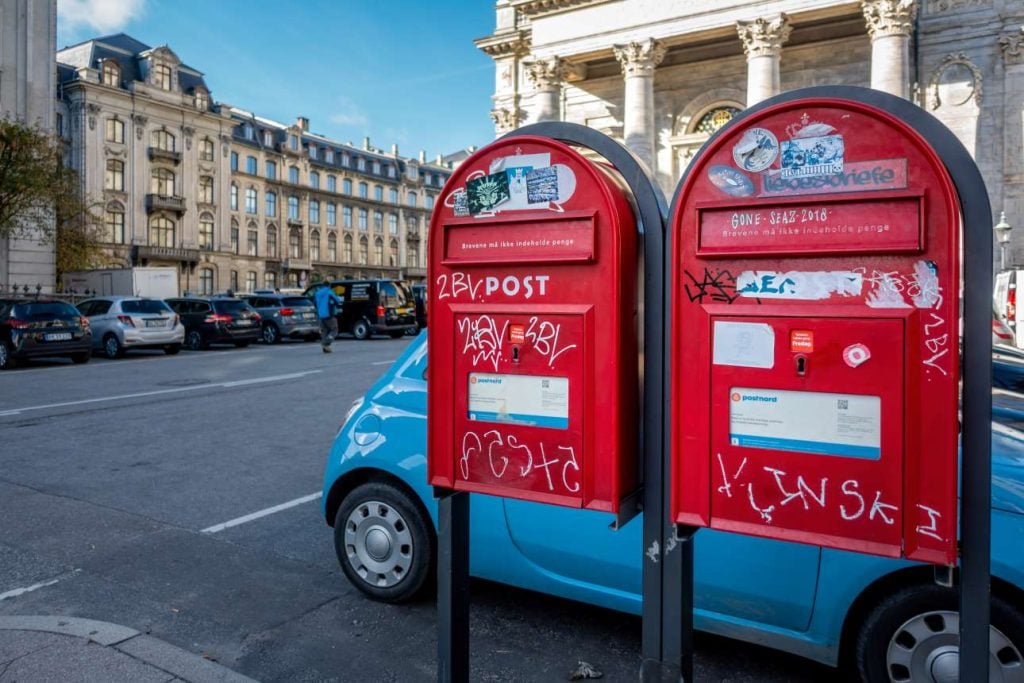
28,39
662,76
231,199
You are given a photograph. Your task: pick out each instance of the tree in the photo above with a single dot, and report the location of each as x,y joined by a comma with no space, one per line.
40,197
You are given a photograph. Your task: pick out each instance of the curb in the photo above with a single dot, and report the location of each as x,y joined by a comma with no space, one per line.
147,649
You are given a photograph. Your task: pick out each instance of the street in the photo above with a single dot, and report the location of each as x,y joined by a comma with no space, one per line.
178,495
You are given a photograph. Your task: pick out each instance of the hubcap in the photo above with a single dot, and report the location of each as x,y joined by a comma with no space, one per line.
378,544
193,340
269,334
3,355
111,347
926,649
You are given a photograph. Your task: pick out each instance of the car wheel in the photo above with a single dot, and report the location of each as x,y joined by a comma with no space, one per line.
383,542
241,344
397,334
271,335
360,330
194,341
80,358
914,635
112,347
7,360
413,331
172,349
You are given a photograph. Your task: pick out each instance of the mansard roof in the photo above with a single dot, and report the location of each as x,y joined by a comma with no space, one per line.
128,53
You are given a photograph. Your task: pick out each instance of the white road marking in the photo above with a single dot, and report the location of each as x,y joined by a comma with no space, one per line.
159,392
260,513
383,362
36,586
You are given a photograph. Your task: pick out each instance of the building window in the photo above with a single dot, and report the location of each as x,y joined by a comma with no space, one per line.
293,142
250,281
162,140
314,180
115,130
295,243
234,197
111,73
162,182
713,120
393,255
293,208
272,204
412,254
234,237
391,171
360,163
114,178
411,199
312,151
362,220
270,280
363,251
378,221
268,139
206,189
344,159
271,168
293,175
251,201
378,252
314,246
430,201
378,193
206,149
332,184
206,232
250,165
412,224
393,223
329,155
314,211
162,76
234,281
113,221
393,195
346,216
376,168
332,247
346,245
202,99
332,214
234,161
272,242
252,241
206,281
346,186
363,190
161,232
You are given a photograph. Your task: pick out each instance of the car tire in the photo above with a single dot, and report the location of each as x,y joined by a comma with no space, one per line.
194,341
81,358
172,349
361,330
913,634
397,334
413,331
7,359
270,334
384,542
112,348
241,344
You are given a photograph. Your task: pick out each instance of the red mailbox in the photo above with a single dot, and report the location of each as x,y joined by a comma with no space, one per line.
533,343
815,281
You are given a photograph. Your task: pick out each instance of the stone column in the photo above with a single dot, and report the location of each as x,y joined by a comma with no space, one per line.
890,23
547,76
638,61
762,42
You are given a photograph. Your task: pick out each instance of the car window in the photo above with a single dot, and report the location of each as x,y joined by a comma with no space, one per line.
199,307
5,307
144,306
393,295
100,307
86,307
295,301
230,306
41,310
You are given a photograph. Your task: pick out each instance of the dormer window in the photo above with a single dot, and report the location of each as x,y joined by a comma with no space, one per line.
293,142
202,100
247,131
162,76
376,167
329,155
268,139
312,151
111,73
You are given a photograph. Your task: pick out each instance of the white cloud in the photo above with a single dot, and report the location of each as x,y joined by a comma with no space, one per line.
347,114
102,16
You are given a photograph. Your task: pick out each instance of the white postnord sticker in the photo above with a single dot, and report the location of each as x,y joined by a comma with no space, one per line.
847,425
535,400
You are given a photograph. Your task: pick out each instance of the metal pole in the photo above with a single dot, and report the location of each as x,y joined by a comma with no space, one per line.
453,587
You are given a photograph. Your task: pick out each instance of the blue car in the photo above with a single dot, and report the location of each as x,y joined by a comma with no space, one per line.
881,619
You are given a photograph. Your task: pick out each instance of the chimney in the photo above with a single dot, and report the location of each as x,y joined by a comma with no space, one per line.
366,143
440,160
394,149
303,123
423,156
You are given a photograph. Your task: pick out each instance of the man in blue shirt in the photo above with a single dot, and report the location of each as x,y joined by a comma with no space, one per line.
327,305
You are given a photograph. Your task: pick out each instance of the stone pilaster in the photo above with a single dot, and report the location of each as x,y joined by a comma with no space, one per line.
506,119
638,60
547,76
762,42
890,23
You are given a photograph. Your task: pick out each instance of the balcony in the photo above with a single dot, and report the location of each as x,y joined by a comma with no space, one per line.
164,254
294,222
155,154
296,264
159,202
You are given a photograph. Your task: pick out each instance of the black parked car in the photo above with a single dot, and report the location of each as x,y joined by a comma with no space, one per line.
216,320
38,329
372,307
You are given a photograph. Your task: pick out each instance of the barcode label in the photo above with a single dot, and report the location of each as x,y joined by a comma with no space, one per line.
843,403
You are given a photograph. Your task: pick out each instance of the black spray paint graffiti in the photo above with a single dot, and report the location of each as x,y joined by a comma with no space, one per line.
716,286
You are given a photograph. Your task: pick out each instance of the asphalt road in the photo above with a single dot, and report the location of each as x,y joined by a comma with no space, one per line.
117,476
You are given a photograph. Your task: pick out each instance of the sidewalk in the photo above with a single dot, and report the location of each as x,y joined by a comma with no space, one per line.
68,649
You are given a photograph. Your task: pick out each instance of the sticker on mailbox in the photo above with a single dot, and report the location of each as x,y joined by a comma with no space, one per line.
806,422
533,400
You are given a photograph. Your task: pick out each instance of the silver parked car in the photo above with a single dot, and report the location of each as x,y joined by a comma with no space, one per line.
285,315
125,322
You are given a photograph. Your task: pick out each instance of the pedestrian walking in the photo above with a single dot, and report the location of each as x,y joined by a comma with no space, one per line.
327,305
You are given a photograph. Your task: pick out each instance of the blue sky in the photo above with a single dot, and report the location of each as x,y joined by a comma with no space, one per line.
400,71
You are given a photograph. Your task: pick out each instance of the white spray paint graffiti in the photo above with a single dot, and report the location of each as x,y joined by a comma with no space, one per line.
544,337
482,339
799,285
502,448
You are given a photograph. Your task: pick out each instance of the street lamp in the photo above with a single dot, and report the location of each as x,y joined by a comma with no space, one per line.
1002,230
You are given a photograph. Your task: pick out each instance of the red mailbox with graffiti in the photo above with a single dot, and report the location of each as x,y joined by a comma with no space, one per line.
815,282
533,345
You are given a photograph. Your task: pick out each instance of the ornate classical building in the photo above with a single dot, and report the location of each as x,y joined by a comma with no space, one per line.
661,76
28,39
233,200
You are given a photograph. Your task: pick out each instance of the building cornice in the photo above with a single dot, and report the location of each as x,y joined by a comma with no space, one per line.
505,44
543,8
